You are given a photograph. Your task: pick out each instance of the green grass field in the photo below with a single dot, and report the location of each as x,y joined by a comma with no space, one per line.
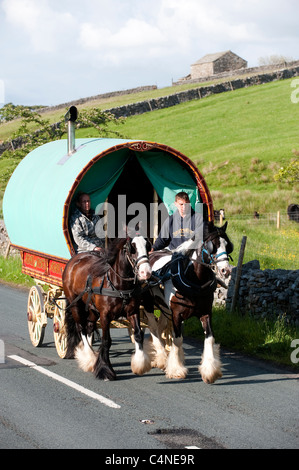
238,140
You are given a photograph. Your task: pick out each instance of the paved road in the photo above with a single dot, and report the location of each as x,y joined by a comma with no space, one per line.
254,406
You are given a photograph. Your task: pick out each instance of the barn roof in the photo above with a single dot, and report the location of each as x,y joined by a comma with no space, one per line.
211,57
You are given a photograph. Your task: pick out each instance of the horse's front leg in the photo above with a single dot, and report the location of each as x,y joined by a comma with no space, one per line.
175,367
140,361
210,366
84,353
156,347
103,368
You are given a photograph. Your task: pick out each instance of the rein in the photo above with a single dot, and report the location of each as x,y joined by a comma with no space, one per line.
112,291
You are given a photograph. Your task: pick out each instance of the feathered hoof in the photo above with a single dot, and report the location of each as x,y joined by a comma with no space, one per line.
105,373
158,357
211,376
210,367
179,372
86,358
140,363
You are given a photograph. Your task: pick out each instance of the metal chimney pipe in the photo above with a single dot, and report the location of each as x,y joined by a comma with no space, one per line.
70,118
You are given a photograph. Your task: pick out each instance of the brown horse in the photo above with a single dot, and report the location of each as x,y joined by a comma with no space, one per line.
105,286
189,285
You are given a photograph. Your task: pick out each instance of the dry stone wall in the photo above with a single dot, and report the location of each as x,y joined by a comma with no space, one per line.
201,92
266,293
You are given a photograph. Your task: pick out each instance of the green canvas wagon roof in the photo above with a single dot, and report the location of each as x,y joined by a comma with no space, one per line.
39,195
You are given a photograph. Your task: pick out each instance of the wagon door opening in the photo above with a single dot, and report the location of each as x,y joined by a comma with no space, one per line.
135,179
132,198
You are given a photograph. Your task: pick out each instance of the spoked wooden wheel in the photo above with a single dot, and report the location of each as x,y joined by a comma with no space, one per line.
60,337
36,316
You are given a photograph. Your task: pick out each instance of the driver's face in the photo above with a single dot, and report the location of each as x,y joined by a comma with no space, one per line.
182,206
84,203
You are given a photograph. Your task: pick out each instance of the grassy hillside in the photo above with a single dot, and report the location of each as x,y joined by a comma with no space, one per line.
239,140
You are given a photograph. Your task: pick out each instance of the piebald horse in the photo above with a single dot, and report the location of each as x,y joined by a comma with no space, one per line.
105,286
189,285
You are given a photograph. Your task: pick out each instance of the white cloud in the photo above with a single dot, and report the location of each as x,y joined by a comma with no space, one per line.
81,48
133,38
44,26
173,28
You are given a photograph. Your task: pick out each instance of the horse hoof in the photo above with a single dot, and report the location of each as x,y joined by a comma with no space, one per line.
110,379
140,364
212,377
178,373
105,374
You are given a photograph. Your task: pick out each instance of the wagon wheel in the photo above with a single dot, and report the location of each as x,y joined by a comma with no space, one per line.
60,337
36,316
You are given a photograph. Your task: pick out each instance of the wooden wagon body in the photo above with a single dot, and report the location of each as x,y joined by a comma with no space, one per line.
40,196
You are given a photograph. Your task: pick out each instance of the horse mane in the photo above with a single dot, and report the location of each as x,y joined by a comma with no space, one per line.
208,228
114,246
101,261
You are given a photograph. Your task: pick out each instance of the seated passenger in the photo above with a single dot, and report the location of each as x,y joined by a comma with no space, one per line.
82,223
180,226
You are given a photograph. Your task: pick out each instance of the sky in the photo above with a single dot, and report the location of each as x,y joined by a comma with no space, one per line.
55,51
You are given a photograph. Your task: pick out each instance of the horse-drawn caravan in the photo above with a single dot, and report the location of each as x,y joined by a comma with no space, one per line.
117,174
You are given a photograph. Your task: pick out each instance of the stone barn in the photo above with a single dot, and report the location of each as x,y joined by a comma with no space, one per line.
212,64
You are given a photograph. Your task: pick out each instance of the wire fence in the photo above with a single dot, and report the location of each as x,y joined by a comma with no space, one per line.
276,219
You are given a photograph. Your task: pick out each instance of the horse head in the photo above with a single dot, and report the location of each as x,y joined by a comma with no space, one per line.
137,251
216,248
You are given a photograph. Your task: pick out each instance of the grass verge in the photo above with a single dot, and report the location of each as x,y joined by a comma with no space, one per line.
264,339
11,272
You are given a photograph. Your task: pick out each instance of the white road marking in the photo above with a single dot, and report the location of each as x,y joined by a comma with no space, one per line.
69,383
191,447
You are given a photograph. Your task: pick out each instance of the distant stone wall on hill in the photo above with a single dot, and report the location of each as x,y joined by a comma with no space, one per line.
190,95
244,71
110,94
201,92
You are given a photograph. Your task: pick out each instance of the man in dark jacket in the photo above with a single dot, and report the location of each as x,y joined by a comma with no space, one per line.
180,226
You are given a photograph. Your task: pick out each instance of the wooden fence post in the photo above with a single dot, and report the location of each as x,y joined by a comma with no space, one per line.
278,220
238,275
6,255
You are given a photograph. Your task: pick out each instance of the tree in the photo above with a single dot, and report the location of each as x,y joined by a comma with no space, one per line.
9,112
274,59
290,173
100,120
34,131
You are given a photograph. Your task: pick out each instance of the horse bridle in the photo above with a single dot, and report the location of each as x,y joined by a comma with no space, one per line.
135,263
213,258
